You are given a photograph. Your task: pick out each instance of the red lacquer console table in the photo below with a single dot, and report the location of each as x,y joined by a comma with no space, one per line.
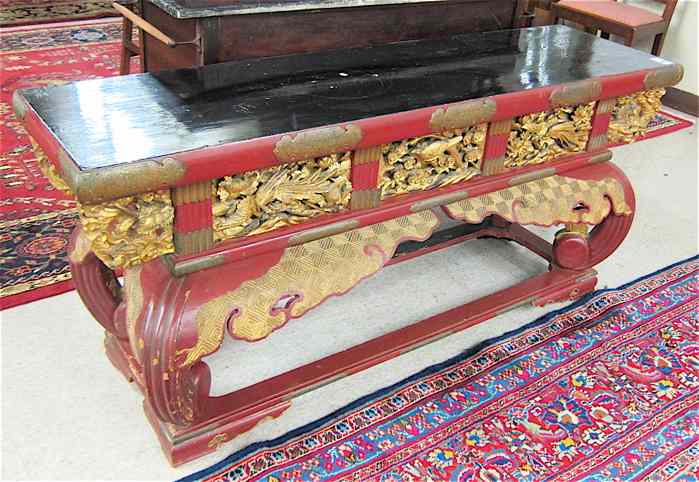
238,196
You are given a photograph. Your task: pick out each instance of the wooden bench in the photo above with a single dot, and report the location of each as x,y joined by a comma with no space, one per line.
238,196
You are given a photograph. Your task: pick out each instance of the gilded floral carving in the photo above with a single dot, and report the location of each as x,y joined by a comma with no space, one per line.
259,201
542,136
431,161
130,230
632,115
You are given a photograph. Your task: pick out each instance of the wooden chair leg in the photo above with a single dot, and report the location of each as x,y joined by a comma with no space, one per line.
658,44
126,38
628,41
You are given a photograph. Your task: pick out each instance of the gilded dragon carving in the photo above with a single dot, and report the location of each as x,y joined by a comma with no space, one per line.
124,232
130,230
430,161
632,114
542,136
259,201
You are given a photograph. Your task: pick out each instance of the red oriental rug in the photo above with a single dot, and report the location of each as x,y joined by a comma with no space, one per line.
25,12
604,390
35,219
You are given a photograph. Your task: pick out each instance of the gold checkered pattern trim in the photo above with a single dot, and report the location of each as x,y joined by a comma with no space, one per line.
309,273
552,200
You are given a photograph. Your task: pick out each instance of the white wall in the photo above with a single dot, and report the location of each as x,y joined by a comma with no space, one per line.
682,41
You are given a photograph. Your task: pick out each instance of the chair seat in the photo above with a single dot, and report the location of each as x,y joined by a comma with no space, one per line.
614,11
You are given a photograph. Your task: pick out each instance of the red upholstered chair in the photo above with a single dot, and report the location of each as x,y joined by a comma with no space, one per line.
616,18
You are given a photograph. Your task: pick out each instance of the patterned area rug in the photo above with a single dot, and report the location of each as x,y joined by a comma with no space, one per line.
607,389
26,12
35,219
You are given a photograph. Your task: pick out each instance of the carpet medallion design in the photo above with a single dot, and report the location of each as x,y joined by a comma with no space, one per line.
24,12
607,389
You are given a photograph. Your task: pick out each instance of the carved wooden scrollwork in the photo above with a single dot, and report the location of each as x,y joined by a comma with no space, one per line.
543,136
259,201
632,115
431,161
130,230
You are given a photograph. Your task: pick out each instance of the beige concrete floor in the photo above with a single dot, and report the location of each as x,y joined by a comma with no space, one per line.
68,415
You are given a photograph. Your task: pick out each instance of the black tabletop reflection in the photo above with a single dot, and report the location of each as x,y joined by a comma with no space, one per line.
119,120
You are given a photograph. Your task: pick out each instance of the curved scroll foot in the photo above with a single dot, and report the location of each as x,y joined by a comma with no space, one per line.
574,248
118,356
174,392
571,247
181,445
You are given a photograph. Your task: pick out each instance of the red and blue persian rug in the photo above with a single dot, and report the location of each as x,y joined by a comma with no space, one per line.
35,219
604,390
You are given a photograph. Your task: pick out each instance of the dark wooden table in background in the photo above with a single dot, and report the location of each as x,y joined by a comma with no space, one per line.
212,31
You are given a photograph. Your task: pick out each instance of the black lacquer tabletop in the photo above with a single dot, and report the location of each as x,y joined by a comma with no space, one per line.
119,120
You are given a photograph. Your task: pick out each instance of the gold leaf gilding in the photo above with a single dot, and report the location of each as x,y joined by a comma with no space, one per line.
464,114
632,115
431,161
49,170
318,142
134,296
548,201
543,136
130,230
259,201
304,276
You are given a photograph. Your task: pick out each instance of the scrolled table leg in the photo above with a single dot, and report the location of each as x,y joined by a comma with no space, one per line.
575,248
174,393
96,284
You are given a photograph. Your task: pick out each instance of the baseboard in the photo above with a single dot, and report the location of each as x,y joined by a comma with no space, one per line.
682,101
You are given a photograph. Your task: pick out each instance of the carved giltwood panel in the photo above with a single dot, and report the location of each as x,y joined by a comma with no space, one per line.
543,136
431,161
259,201
305,275
124,232
130,230
632,115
